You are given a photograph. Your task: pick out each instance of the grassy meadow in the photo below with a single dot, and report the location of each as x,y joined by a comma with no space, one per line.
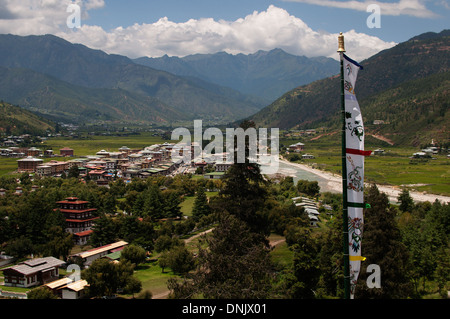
91,144
394,167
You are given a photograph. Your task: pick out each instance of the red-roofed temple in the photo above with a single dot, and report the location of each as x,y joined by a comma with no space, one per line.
79,218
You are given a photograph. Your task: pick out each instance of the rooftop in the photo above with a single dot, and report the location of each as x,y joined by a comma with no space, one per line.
35,265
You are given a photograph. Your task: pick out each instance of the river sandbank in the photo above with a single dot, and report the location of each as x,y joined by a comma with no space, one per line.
334,183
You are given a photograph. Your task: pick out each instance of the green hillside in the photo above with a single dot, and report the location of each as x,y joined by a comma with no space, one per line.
81,66
409,78
14,120
413,113
67,102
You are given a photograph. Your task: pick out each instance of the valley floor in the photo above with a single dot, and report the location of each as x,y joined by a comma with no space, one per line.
334,182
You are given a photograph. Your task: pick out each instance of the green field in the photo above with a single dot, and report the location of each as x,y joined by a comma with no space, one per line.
92,144
394,167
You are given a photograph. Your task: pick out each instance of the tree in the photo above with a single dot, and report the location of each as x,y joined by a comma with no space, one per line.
179,259
406,201
134,254
243,193
19,247
133,286
59,243
104,231
236,265
201,207
382,246
41,293
105,277
74,172
310,188
306,268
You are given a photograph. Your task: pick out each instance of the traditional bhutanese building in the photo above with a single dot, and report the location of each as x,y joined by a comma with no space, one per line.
79,218
28,164
66,151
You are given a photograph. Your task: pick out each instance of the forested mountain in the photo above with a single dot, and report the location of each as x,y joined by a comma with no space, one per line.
391,85
264,74
80,66
63,101
14,120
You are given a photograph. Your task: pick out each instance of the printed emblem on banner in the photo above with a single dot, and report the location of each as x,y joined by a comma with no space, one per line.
348,68
348,87
355,228
355,127
354,177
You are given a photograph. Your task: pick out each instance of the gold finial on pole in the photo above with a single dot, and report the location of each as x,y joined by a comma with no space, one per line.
341,43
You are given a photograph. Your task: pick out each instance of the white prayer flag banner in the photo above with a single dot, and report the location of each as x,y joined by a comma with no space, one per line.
353,118
354,139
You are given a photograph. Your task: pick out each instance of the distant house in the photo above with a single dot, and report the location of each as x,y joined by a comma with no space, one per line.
378,151
89,256
74,290
421,155
223,167
28,164
103,153
44,170
308,156
125,149
214,175
66,151
297,147
66,288
48,153
32,272
33,151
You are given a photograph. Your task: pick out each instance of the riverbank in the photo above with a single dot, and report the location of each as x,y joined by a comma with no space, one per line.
334,184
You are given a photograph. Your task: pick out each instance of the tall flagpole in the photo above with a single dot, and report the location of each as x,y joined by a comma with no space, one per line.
341,51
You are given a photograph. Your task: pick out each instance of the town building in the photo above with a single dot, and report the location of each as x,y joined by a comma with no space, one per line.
66,151
28,164
90,255
307,156
297,147
214,175
66,288
32,272
79,218
33,151
44,170
223,167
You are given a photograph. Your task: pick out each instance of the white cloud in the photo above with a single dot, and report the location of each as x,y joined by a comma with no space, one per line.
414,8
266,30
27,17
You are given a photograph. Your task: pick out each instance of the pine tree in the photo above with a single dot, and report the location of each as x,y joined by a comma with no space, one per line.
244,193
406,201
201,207
382,245
236,265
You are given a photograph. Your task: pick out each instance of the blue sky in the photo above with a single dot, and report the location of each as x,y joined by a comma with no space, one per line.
182,27
393,28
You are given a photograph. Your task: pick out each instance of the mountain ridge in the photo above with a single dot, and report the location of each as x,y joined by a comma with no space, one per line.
79,65
252,74
318,104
